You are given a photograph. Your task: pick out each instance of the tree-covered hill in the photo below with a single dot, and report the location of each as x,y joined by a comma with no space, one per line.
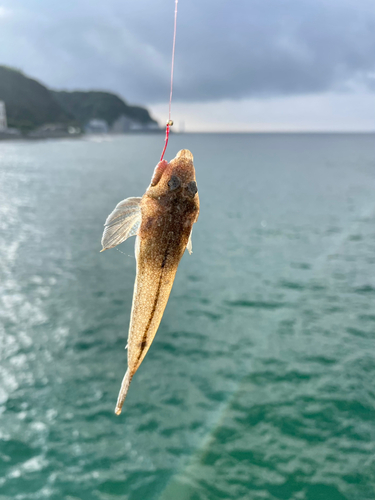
103,105
29,104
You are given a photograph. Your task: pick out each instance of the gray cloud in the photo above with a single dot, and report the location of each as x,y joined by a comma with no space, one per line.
225,49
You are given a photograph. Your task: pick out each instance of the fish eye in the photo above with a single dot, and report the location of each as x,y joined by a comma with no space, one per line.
192,189
174,182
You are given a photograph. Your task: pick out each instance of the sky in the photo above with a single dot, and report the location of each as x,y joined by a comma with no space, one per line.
245,65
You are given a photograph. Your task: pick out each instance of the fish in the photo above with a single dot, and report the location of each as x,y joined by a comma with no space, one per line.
162,221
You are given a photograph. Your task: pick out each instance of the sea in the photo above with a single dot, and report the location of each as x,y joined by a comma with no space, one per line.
260,383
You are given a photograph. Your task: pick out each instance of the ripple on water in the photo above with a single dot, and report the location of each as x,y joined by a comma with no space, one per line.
292,285
256,304
365,289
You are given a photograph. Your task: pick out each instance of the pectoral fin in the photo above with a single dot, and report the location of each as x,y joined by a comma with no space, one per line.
189,245
122,223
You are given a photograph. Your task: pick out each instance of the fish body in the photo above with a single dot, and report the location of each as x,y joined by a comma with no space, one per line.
162,220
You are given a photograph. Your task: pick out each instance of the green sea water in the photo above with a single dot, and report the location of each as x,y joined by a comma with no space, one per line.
260,383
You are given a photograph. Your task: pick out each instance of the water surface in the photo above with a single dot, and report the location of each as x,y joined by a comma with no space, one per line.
260,381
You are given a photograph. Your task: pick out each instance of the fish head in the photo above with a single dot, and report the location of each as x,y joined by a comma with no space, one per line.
175,179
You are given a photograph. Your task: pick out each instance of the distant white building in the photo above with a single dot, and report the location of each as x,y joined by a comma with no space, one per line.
144,127
3,116
122,125
54,130
96,126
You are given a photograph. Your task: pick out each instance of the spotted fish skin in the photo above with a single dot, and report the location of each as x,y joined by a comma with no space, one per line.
168,210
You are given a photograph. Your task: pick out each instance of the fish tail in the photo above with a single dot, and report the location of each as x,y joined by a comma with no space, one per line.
123,391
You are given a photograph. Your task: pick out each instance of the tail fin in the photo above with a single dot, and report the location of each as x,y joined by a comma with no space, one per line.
123,392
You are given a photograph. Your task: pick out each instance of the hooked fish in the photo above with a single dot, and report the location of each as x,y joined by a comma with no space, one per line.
162,220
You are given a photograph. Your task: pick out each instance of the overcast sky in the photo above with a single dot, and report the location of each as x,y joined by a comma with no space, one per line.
240,65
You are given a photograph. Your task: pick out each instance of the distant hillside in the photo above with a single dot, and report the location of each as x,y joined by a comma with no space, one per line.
28,103
103,105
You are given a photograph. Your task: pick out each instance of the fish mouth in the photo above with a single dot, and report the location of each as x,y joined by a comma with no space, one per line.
185,154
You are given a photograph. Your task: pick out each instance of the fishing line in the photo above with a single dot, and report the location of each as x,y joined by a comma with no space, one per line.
126,255
170,122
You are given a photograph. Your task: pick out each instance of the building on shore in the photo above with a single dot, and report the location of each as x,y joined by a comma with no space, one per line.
54,130
3,117
5,132
96,126
125,125
122,125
